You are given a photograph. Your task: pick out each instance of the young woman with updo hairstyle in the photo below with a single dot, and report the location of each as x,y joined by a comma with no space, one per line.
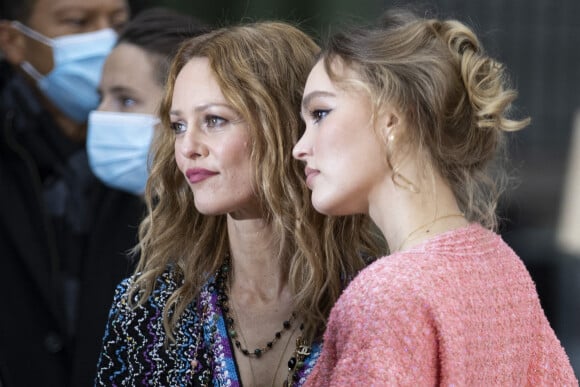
404,122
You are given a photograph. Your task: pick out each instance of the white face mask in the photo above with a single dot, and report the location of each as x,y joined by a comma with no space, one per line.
118,148
78,61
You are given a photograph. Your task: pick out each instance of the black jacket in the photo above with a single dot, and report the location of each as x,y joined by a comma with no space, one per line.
64,238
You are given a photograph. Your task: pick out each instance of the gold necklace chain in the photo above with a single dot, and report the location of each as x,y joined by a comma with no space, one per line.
432,222
246,344
282,355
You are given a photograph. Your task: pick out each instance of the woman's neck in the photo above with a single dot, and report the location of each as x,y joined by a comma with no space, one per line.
256,269
408,218
260,302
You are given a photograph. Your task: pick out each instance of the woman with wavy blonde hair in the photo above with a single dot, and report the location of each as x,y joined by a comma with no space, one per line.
238,272
403,122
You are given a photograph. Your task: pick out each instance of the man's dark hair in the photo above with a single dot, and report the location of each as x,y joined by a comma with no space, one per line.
16,9
160,31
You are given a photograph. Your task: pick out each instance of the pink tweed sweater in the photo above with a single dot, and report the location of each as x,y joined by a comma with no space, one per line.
459,309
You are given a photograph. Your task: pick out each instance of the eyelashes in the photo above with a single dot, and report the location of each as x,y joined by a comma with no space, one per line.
207,123
213,121
178,127
318,115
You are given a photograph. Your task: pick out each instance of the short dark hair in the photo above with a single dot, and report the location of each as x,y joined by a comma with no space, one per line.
160,31
16,10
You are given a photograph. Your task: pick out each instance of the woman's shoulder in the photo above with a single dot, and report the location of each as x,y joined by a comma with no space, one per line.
143,319
381,284
128,291
137,349
429,267
449,270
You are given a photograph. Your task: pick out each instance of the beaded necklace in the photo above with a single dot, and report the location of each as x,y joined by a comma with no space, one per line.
302,348
223,298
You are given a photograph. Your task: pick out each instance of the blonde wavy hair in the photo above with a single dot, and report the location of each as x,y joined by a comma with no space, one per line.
453,98
261,69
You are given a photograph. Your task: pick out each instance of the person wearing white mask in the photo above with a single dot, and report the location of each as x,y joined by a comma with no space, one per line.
63,234
121,130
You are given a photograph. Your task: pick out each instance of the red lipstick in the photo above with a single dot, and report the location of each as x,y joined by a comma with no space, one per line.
195,175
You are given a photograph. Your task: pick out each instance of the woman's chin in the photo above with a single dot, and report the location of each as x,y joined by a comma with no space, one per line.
325,207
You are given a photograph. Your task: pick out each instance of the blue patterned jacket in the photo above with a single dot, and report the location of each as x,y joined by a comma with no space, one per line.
136,350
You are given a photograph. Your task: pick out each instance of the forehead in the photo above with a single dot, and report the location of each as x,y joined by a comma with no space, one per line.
196,84
50,7
128,64
50,12
319,77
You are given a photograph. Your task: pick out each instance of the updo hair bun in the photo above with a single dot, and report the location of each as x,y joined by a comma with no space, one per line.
484,78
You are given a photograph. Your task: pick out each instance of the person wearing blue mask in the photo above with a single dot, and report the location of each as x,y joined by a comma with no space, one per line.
121,130
64,235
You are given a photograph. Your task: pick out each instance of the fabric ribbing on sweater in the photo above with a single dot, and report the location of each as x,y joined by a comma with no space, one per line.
459,309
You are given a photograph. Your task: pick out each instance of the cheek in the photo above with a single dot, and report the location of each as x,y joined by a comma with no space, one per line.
240,166
330,146
332,135
236,152
178,158
153,96
40,56
106,104
241,169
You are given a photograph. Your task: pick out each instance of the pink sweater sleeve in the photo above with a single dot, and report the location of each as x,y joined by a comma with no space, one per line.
550,365
370,342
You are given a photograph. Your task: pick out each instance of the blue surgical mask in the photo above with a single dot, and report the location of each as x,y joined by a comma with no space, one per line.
118,148
78,61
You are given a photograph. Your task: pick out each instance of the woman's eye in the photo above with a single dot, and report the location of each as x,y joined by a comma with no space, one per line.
77,22
178,127
128,102
318,114
211,121
119,22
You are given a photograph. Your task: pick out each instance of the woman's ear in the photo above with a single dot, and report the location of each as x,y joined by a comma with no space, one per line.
390,121
12,43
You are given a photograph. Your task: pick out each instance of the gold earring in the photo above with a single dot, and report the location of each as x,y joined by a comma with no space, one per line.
405,183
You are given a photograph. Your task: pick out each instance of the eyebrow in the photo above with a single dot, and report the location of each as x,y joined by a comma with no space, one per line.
121,89
64,9
203,107
310,96
116,90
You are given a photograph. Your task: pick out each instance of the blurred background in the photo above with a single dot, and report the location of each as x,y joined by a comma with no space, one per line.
539,41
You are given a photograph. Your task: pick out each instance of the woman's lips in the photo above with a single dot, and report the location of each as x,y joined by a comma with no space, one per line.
196,175
310,175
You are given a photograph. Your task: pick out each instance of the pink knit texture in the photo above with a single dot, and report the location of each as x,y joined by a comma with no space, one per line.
459,309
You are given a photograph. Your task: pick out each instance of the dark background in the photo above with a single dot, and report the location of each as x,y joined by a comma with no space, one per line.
539,41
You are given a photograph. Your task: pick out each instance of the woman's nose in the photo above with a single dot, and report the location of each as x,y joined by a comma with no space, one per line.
302,147
191,145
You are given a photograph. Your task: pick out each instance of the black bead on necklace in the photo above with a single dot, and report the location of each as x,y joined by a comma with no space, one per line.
223,301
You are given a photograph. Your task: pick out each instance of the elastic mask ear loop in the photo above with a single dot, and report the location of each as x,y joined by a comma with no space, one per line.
30,70
26,66
32,33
